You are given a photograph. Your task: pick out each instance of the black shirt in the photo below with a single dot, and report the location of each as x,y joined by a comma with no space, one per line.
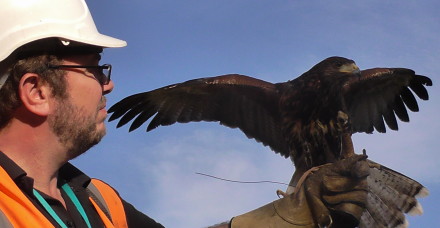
78,181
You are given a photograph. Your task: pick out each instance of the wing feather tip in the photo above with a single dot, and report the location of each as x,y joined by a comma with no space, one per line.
132,128
151,127
425,80
422,193
405,224
120,124
111,118
416,210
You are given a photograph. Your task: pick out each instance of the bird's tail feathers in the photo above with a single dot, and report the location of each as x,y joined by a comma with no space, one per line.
391,195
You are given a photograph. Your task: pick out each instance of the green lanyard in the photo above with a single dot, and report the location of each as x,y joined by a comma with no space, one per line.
72,197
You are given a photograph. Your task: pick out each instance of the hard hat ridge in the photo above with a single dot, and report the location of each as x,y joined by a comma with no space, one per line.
25,21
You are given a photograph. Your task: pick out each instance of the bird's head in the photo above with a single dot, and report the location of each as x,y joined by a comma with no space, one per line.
335,64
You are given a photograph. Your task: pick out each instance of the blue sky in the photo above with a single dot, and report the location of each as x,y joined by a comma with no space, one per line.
174,41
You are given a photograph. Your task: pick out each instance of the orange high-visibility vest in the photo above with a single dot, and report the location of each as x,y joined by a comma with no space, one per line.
16,210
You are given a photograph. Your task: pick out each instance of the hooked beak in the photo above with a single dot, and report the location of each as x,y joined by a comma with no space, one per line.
350,68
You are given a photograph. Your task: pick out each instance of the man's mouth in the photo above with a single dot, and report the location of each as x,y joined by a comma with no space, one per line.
102,103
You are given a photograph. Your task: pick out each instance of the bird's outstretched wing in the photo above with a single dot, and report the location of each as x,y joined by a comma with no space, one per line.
234,100
381,94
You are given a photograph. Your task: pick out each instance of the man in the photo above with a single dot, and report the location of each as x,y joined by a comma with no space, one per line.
52,109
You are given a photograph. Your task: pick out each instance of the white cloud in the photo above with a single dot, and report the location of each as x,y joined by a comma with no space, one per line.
192,200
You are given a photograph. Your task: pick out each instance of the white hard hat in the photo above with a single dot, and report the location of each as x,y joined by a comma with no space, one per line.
25,21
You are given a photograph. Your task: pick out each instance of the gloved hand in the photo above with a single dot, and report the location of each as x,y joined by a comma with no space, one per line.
334,195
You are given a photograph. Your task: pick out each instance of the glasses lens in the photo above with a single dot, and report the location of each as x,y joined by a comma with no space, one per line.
102,74
106,71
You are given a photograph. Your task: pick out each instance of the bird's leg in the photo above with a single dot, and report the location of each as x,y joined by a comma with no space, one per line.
307,154
347,148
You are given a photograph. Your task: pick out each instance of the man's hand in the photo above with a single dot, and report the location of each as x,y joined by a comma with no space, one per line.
332,196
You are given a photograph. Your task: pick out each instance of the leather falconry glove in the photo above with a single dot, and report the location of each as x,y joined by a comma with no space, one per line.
334,195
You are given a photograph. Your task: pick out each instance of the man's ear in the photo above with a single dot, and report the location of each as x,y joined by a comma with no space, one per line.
34,94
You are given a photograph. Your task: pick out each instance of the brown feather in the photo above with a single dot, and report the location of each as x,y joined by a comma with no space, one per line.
391,194
309,119
298,118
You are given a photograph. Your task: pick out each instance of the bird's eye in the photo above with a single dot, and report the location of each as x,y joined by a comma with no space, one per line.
338,64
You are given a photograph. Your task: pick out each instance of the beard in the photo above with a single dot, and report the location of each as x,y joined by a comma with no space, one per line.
75,130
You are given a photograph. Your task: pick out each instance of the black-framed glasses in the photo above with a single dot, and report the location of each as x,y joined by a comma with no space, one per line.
102,75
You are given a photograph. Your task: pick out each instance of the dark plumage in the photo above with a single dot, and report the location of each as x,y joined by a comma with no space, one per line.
298,118
309,119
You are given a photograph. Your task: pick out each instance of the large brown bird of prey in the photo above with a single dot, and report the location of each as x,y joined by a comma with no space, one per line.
309,119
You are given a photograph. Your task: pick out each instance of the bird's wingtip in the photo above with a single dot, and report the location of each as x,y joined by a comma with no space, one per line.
423,193
416,210
405,224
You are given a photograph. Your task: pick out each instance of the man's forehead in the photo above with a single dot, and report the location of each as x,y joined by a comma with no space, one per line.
91,57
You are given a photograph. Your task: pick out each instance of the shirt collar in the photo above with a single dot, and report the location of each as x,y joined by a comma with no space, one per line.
73,176
14,171
68,172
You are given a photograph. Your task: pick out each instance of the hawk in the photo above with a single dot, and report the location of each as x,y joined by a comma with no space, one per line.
309,119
